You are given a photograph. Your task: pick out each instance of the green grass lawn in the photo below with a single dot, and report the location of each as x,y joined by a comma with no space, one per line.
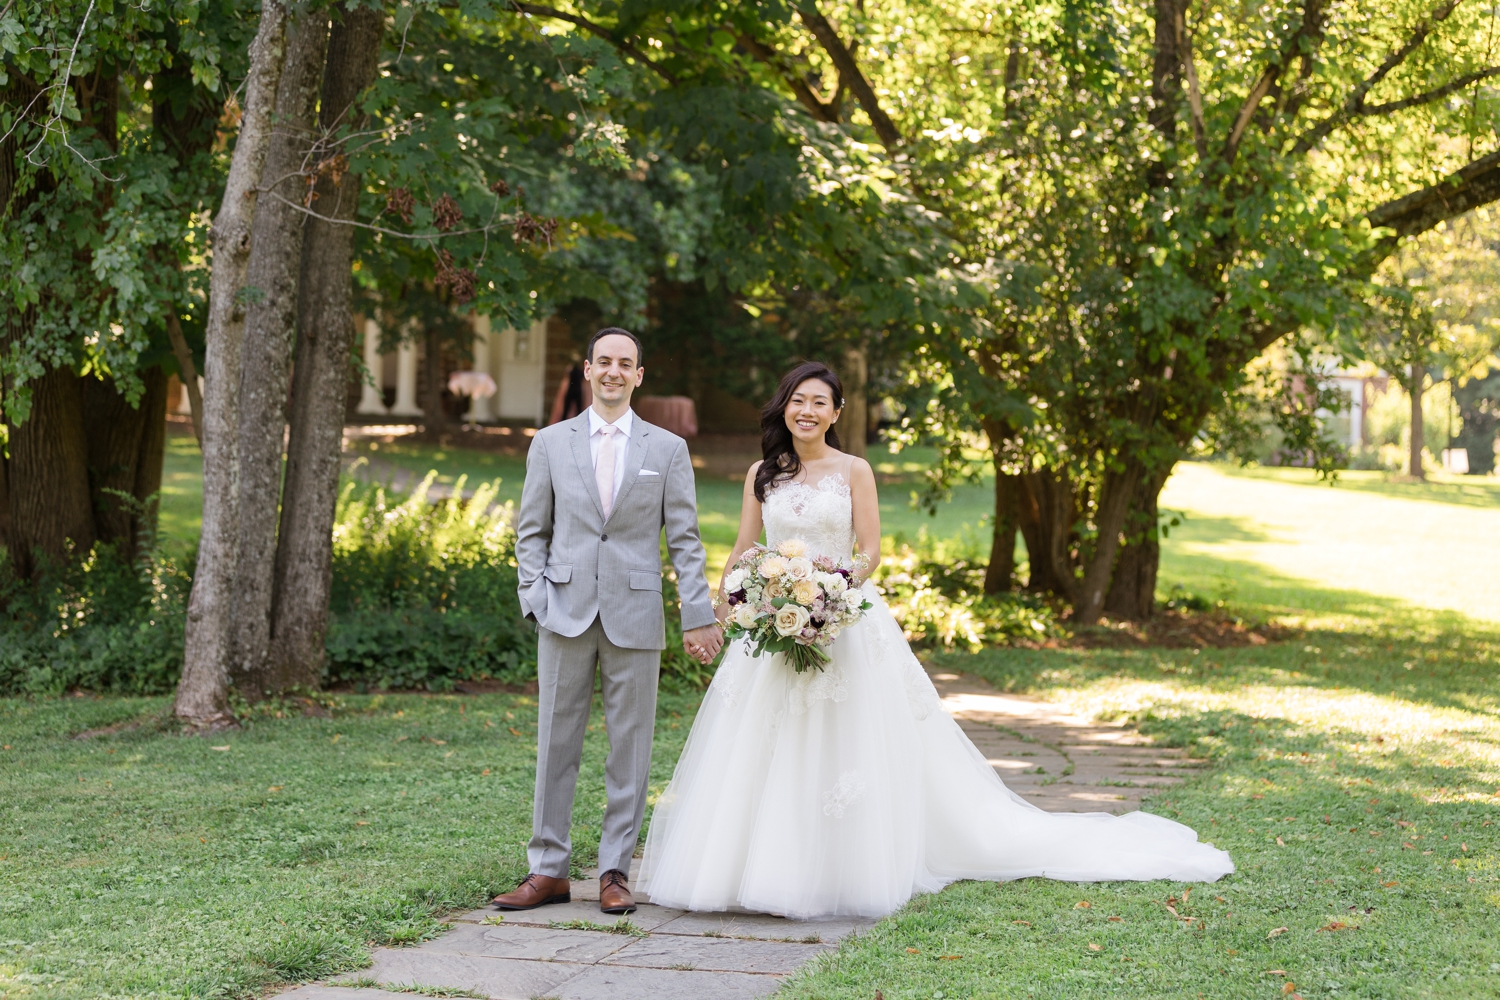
148,864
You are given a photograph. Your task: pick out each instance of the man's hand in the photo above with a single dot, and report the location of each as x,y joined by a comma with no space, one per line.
703,644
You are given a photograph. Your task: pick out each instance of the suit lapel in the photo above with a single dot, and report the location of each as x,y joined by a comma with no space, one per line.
580,425
635,458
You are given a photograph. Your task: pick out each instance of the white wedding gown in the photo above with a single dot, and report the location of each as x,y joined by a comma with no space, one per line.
847,791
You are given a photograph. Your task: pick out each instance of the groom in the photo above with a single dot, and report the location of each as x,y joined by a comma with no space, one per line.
599,489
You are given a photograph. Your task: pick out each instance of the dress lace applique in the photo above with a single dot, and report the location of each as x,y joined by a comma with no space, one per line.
812,686
842,795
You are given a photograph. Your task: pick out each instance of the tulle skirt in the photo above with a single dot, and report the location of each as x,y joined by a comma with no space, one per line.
844,792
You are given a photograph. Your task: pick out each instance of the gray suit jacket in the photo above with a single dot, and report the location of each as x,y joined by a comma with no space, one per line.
574,566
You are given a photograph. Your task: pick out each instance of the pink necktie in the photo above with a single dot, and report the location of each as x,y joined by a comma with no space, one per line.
604,469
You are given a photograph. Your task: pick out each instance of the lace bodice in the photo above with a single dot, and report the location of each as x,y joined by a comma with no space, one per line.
822,516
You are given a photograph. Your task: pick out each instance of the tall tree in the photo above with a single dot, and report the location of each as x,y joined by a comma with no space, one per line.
325,328
1156,217
202,693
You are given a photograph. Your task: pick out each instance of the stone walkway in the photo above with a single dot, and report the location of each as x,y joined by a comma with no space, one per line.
574,952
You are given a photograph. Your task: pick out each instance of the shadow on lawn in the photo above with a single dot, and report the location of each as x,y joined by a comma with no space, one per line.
1348,640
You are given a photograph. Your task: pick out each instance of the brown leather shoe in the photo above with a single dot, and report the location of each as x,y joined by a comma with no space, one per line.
535,890
614,895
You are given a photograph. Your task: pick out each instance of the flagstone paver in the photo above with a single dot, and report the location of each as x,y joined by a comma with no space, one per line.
572,951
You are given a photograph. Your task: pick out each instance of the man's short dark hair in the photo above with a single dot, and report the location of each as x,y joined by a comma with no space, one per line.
607,331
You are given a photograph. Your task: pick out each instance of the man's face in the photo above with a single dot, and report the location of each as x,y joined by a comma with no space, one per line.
614,371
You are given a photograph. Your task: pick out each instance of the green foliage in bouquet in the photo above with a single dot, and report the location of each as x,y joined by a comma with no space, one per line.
941,602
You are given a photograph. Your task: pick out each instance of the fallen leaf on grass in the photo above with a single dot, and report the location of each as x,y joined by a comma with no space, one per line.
1257,796
914,951
1094,947
514,731
1389,885
1289,988
951,958
363,822
484,772
1082,904
1277,932
1116,920
1274,972
218,748
1023,923
1339,925
274,788
1280,842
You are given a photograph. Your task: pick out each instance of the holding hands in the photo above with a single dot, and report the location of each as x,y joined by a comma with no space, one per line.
703,644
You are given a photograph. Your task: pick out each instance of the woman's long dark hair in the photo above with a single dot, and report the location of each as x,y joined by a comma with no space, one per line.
780,460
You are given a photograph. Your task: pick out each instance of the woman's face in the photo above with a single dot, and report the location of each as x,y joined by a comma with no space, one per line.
811,411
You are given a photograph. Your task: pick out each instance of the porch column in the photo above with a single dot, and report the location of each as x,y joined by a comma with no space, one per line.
371,400
406,381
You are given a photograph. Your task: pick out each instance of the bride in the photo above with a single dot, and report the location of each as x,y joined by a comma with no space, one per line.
846,791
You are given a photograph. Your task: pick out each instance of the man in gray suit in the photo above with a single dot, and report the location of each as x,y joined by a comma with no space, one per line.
599,489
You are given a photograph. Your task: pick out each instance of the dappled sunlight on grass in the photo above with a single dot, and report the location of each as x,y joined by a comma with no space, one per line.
1430,554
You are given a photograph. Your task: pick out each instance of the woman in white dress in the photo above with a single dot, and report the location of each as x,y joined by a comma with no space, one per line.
846,791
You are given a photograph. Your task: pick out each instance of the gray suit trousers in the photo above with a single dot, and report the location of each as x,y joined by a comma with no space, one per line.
565,680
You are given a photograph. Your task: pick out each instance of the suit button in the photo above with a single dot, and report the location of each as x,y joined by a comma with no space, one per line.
603,538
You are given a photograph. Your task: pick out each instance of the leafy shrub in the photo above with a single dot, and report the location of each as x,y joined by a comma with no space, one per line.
940,601
423,597
102,623
424,594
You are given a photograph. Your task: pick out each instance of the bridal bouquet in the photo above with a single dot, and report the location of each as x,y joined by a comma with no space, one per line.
786,602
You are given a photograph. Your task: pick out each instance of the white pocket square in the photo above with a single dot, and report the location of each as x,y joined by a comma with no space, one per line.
648,472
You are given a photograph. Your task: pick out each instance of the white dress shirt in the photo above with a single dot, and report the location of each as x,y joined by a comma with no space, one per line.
622,442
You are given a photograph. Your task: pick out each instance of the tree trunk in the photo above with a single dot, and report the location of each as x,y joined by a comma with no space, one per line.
304,554
1132,591
1046,514
854,420
270,337
1414,457
204,687
434,419
1115,496
125,445
48,475
1001,571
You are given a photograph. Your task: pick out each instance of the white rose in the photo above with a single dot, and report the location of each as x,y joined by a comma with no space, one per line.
792,547
772,566
833,584
805,591
734,581
791,619
744,616
800,568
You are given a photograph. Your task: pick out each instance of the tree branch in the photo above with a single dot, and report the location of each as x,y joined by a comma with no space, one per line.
849,72
1436,94
1310,29
1475,184
1355,103
1195,95
765,54
594,29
